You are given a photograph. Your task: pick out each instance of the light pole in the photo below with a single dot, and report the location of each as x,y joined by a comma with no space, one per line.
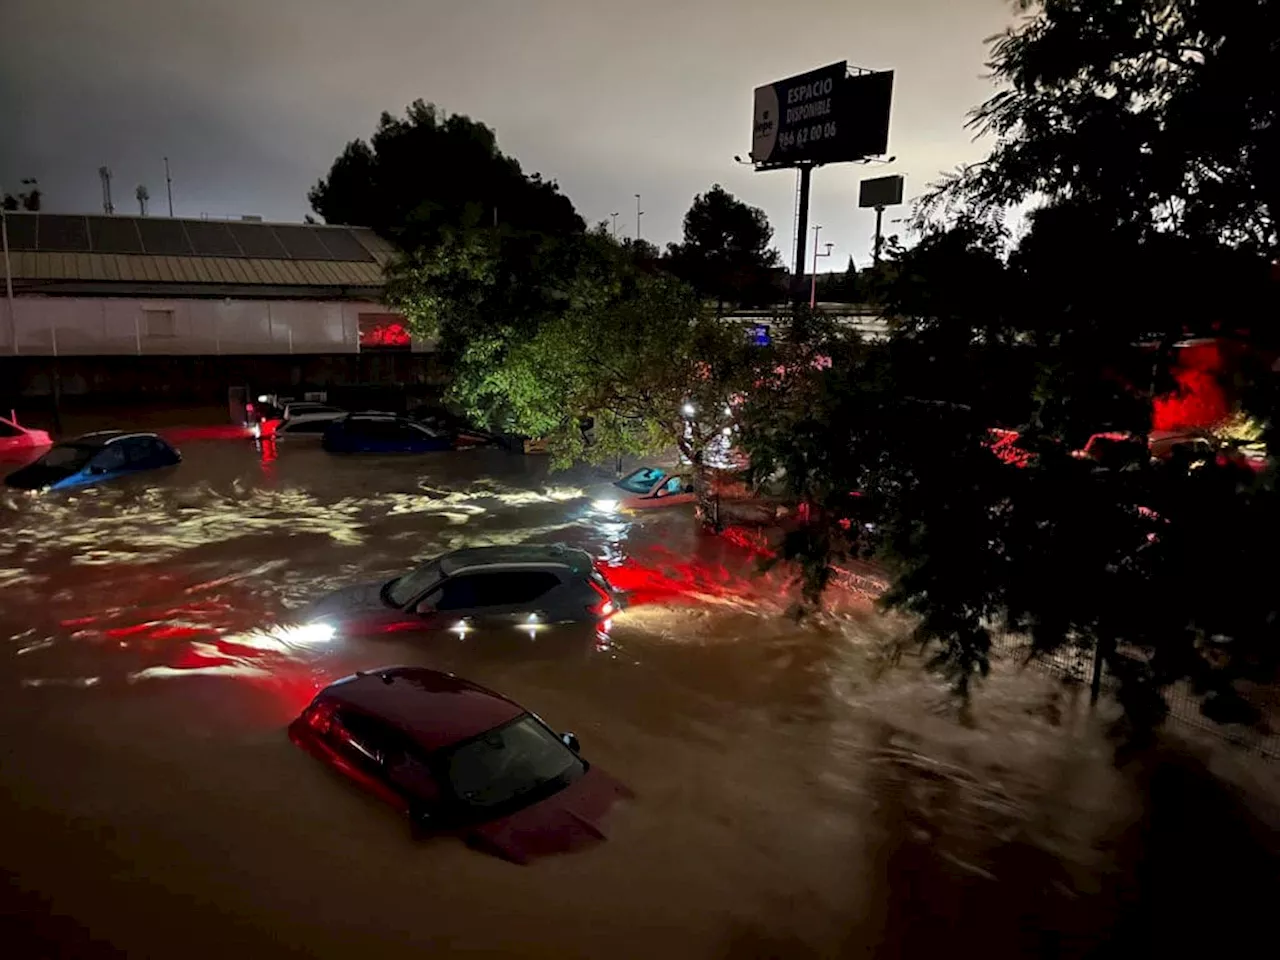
615,224
813,283
639,214
8,278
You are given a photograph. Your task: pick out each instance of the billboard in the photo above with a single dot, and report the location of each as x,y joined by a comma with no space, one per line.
880,192
824,116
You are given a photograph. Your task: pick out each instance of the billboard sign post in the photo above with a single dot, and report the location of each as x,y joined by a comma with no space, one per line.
828,115
880,193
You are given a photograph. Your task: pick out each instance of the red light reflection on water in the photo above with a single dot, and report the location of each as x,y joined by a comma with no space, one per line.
222,431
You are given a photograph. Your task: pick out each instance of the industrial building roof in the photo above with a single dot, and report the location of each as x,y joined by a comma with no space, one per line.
58,253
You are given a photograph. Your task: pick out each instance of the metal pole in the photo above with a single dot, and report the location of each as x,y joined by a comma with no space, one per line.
615,225
168,185
813,283
879,236
802,228
8,281
639,214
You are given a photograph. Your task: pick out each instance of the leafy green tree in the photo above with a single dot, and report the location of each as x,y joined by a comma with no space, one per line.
432,171
725,253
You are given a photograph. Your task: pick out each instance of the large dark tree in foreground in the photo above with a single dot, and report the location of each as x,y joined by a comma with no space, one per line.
725,254
432,171
1145,131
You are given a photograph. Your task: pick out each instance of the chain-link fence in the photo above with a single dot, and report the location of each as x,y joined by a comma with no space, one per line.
1076,663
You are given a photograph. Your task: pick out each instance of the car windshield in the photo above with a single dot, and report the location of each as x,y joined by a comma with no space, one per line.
642,480
68,456
508,762
413,584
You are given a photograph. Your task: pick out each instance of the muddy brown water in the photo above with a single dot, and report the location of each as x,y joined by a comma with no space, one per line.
799,791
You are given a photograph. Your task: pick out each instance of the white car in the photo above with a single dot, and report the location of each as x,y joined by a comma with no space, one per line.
300,427
306,408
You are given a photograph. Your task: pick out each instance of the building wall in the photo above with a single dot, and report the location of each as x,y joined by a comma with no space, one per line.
111,326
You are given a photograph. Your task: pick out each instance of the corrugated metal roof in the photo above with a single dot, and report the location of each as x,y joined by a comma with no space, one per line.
139,268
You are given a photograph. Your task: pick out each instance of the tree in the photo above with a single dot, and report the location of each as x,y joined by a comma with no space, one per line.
27,200
1145,232
432,171
725,254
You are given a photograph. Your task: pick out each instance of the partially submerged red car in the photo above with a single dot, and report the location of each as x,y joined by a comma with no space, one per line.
19,441
460,760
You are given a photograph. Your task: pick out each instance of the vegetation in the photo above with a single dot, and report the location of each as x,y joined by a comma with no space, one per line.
1144,132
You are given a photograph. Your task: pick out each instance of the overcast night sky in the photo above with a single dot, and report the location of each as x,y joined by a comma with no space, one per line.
252,99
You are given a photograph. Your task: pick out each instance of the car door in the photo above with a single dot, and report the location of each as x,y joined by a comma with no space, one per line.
109,462
493,596
361,747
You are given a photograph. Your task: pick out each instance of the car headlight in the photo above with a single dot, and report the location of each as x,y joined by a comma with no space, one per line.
605,506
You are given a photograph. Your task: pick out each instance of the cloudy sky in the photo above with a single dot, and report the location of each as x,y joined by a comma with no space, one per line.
252,99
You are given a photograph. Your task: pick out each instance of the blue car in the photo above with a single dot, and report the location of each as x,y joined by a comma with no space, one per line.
382,433
93,458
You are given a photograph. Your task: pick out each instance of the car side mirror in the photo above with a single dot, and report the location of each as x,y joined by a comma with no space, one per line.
570,740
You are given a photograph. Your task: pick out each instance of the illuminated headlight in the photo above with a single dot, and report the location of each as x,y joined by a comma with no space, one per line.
605,506
688,410
256,430
263,398
317,632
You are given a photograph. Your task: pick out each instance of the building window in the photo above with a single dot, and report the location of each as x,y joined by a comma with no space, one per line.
383,331
158,323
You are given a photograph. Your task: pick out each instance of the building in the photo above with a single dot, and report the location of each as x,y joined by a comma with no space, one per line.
129,307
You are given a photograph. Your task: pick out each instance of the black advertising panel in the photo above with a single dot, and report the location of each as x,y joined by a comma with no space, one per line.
880,192
824,116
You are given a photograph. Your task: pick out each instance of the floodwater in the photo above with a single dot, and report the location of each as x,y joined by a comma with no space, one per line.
800,790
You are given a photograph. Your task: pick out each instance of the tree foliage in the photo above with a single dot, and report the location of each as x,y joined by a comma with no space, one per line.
725,254
430,172
1154,219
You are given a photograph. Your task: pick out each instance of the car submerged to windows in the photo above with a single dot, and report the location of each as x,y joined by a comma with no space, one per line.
461,760
529,587
644,489
382,433
95,458
19,441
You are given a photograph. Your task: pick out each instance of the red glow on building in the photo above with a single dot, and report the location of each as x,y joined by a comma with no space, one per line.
1199,400
385,333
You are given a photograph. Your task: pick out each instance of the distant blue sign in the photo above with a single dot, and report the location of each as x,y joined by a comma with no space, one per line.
760,335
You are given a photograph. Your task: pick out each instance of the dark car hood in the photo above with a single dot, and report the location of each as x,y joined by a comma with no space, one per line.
564,821
361,598
37,476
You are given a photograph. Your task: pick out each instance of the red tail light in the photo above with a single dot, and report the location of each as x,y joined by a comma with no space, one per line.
318,719
605,607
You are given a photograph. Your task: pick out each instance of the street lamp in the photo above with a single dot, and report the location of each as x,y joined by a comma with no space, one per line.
615,224
813,283
639,214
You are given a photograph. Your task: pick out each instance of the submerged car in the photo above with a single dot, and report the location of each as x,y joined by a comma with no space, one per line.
528,586
304,425
17,440
644,489
460,760
382,433
94,458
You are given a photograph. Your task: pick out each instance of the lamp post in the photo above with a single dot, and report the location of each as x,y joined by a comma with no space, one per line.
615,224
639,214
8,278
813,283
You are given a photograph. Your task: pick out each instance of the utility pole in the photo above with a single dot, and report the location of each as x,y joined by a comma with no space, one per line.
813,283
879,234
8,279
639,214
168,185
105,174
802,228
615,224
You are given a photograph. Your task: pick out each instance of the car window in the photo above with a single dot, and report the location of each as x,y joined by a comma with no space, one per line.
112,457
363,737
137,450
495,589
507,762
413,584
68,456
674,485
9,430
306,426
642,480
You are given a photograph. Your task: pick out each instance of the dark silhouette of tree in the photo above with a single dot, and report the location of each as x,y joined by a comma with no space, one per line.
1156,220
28,199
431,171
725,253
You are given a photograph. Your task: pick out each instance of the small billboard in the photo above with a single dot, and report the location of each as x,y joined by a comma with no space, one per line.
880,192
824,116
